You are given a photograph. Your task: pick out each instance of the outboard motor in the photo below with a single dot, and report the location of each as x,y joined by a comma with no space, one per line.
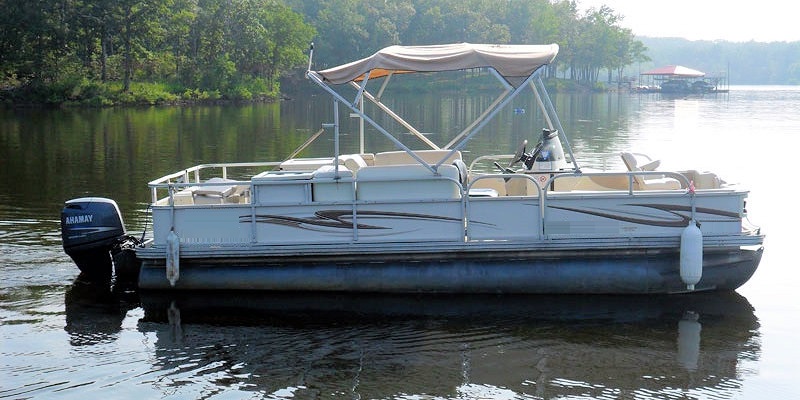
548,154
90,228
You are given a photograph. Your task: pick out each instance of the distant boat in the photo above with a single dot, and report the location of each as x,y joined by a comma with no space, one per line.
680,79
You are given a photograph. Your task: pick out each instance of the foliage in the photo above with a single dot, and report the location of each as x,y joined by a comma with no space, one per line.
589,43
78,51
166,51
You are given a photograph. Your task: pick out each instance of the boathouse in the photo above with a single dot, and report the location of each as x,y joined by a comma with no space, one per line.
679,79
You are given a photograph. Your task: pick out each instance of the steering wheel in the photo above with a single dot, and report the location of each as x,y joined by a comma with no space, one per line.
535,153
518,154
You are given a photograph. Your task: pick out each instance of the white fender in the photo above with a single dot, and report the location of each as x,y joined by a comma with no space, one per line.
173,257
691,255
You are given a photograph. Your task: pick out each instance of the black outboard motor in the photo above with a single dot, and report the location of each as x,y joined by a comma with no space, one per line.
90,228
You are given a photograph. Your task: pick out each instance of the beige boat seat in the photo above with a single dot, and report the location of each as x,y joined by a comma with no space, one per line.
332,184
648,182
306,164
407,182
631,161
353,162
214,194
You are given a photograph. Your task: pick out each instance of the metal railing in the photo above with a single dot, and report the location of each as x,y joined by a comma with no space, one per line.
192,177
541,191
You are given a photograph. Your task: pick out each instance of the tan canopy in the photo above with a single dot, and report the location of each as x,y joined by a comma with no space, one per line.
509,60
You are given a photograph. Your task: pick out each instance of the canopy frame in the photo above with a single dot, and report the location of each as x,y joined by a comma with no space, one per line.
360,80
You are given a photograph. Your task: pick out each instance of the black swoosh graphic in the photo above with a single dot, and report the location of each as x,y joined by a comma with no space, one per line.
341,219
669,208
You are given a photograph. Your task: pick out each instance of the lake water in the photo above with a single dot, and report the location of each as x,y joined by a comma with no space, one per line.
63,338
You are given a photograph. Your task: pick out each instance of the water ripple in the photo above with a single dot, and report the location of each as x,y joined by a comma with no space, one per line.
56,342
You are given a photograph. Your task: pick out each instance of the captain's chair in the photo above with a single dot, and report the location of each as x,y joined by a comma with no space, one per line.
648,182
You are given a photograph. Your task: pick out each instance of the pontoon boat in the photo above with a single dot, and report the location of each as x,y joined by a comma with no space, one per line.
427,219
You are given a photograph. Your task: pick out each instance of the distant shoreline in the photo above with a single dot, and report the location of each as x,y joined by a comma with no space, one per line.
99,95
23,97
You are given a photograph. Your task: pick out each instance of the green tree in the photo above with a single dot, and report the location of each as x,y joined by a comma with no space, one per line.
631,51
427,26
551,23
178,35
341,25
244,46
291,39
33,38
387,21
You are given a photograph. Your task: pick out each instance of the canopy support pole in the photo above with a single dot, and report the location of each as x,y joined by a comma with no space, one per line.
383,85
335,139
483,115
508,89
361,127
492,114
318,80
361,88
552,112
542,107
305,144
398,118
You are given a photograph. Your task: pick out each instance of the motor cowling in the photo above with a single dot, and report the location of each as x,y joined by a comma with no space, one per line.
550,153
90,228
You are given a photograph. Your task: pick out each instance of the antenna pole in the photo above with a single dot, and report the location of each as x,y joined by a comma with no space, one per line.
310,57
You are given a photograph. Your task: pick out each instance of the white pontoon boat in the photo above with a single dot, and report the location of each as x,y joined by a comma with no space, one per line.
426,219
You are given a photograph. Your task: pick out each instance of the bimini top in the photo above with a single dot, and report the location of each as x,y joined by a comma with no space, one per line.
507,59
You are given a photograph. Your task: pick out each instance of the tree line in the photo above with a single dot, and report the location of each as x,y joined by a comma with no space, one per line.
590,41
150,51
747,63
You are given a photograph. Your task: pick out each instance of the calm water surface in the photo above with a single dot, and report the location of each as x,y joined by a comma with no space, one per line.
63,338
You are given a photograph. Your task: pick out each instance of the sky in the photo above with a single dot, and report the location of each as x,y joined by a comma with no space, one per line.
734,21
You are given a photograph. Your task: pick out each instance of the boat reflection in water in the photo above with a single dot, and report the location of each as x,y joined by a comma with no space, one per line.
455,346
95,310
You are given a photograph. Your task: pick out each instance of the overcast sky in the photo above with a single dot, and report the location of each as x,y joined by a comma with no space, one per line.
735,21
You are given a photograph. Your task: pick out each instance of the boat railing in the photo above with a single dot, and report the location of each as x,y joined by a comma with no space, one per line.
467,200
631,177
164,189
193,177
539,193
602,161
547,193
506,177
